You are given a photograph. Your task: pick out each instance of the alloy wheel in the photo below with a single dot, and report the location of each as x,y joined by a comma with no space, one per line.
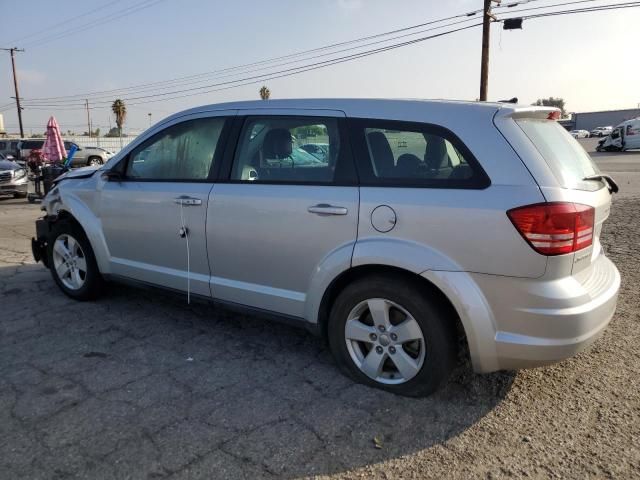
385,341
69,262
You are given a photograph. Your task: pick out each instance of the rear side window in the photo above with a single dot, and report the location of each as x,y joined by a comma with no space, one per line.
566,158
414,154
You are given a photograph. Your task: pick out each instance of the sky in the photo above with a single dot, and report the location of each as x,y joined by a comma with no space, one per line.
590,60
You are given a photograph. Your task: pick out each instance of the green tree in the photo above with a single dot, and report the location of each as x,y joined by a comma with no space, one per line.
552,102
113,133
119,109
265,93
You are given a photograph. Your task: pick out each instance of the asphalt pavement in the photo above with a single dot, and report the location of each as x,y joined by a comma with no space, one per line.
141,385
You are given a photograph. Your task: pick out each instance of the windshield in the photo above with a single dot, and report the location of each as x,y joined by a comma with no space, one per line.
568,161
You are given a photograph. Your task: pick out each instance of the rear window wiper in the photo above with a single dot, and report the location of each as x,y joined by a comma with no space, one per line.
607,179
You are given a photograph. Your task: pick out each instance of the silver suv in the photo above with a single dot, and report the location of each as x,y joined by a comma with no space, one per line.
424,227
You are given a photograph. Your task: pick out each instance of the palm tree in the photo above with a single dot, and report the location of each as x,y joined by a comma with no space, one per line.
120,111
265,93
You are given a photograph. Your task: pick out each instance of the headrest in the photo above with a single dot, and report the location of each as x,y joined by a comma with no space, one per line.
277,144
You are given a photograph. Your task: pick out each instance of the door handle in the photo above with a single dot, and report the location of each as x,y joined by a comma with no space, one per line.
187,201
326,209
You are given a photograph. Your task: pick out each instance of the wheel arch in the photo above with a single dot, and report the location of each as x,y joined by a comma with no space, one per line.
362,271
80,214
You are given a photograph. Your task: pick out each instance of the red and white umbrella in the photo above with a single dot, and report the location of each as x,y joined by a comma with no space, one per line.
53,149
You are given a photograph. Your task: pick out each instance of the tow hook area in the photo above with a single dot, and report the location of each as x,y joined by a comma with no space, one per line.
39,242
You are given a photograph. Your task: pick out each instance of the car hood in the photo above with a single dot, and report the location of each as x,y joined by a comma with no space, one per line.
83,172
8,165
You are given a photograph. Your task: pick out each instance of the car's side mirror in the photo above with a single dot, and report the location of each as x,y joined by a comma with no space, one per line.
112,176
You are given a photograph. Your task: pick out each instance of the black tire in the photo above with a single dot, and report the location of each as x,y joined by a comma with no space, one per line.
20,195
97,160
438,330
93,281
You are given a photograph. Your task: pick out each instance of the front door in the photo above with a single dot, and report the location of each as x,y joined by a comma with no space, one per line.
289,208
617,138
154,219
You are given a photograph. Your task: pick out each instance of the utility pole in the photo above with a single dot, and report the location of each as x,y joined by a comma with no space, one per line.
487,17
15,84
86,105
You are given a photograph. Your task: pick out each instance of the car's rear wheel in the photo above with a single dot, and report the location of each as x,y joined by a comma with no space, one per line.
72,262
94,161
20,195
388,332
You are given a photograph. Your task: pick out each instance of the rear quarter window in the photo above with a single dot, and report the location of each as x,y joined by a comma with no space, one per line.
409,154
566,158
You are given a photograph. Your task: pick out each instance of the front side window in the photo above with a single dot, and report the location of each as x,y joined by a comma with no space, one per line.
181,152
288,149
401,153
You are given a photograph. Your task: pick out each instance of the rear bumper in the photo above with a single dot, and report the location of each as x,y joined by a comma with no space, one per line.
542,322
514,323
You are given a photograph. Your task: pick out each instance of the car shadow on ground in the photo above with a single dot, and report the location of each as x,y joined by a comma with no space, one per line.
139,383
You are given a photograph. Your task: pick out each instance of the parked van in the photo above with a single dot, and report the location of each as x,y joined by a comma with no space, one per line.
425,227
625,136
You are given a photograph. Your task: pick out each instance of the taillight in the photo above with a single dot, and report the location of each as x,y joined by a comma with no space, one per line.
555,228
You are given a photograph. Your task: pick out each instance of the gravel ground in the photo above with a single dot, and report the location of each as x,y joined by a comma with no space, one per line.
137,385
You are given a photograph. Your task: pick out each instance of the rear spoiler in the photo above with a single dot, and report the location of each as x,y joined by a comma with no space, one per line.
521,111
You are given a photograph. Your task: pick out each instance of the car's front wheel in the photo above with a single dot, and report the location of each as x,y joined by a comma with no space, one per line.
388,332
72,262
95,161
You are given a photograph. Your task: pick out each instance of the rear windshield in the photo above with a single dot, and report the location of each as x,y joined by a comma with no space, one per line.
566,158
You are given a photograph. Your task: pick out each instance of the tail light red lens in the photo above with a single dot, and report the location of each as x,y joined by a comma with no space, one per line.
555,228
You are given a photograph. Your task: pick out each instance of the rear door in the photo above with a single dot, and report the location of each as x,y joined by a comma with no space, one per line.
281,212
154,219
560,165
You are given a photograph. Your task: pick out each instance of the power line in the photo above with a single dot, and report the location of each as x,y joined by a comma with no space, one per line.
261,62
316,66
65,22
97,99
102,20
563,4
191,79
313,66
584,10
595,8
287,72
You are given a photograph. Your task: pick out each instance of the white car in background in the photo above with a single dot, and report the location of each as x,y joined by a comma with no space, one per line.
601,131
579,133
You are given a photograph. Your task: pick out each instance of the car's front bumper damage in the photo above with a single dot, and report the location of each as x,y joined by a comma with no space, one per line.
39,242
